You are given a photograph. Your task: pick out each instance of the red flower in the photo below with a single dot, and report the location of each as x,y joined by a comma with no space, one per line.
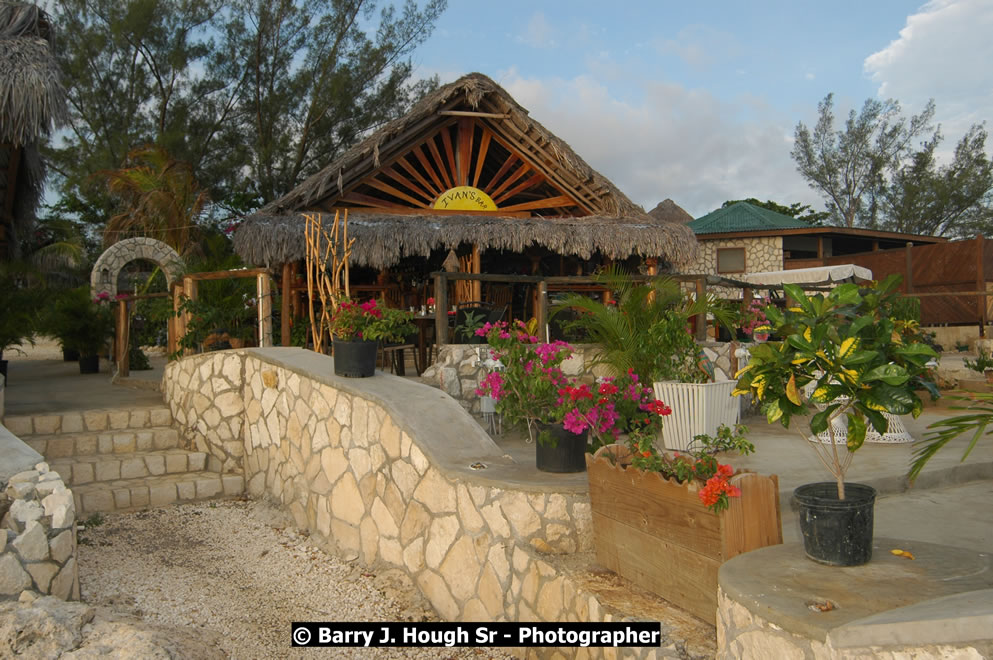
659,408
430,301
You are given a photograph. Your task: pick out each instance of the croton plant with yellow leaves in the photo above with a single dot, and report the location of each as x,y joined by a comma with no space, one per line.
864,360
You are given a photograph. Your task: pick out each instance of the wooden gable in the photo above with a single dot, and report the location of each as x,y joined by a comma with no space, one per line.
464,148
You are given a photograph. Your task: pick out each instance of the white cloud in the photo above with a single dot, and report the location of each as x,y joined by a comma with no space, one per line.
943,52
679,143
539,32
701,47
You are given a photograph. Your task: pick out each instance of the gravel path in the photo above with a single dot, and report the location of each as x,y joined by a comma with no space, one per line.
239,572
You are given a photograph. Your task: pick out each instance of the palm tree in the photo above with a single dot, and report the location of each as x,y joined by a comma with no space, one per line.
160,196
645,327
62,260
32,102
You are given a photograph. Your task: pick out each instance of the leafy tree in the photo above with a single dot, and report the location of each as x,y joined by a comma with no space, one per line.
795,210
254,94
310,81
849,167
133,67
925,198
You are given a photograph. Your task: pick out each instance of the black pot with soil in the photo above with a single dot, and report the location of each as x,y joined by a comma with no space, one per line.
559,450
89,364
355,359
836,532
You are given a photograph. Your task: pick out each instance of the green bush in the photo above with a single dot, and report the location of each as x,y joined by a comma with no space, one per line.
644,327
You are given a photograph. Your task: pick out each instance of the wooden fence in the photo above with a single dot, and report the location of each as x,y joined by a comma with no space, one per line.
949,278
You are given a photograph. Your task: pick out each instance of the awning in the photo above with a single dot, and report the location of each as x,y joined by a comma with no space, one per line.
819,275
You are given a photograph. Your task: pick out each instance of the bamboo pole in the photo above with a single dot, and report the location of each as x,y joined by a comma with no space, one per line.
327,271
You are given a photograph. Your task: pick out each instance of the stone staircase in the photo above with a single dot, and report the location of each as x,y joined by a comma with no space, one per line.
121,460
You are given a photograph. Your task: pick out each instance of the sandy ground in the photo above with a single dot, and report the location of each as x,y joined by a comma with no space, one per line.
239,573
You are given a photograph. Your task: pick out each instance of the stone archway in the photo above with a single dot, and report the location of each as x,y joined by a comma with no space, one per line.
103,279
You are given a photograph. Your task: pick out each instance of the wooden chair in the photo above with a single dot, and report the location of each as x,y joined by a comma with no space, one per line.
397,357
502,296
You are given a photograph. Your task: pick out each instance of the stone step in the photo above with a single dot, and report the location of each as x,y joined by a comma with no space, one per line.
81,470
131,494
79,421
63,445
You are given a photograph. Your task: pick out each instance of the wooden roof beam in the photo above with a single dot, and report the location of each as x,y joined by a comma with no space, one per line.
470,113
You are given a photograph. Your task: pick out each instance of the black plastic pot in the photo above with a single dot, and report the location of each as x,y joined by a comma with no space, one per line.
564,451
355,359
70,355
836,532
89,364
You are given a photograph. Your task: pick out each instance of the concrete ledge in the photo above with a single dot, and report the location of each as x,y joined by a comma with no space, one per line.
889,602
954,619
17,456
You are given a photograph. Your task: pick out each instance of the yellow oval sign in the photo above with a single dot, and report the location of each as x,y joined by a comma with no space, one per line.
464,198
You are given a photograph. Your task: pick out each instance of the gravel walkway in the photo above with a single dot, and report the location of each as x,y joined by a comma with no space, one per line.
238,572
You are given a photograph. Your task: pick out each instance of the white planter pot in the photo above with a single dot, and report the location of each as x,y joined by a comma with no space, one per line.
697,408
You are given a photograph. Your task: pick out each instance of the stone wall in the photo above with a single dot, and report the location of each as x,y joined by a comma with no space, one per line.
208,407
762,254
395,474
459,370
743,634
38,536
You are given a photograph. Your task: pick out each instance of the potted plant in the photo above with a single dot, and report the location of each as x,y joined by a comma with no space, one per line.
84,324
526,391
863,361
982,364
644,327
610,408
691,504
357,329
472,320
57,319
753,323
16,324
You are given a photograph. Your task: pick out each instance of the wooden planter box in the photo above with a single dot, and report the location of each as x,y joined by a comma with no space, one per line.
656,532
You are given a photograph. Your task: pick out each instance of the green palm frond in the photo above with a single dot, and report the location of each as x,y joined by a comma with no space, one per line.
646,329
160,196
946,430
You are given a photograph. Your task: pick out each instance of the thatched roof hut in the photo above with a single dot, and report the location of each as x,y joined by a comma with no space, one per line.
669,211
32,99
470,135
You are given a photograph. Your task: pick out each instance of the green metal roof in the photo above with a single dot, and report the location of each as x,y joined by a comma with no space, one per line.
744,217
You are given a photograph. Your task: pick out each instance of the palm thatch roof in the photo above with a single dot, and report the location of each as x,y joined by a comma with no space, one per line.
669,211
604,219
382,240
32,99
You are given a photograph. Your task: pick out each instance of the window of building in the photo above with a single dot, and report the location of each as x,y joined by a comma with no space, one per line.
731,260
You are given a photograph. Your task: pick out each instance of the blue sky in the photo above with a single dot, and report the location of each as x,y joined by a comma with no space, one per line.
698,101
